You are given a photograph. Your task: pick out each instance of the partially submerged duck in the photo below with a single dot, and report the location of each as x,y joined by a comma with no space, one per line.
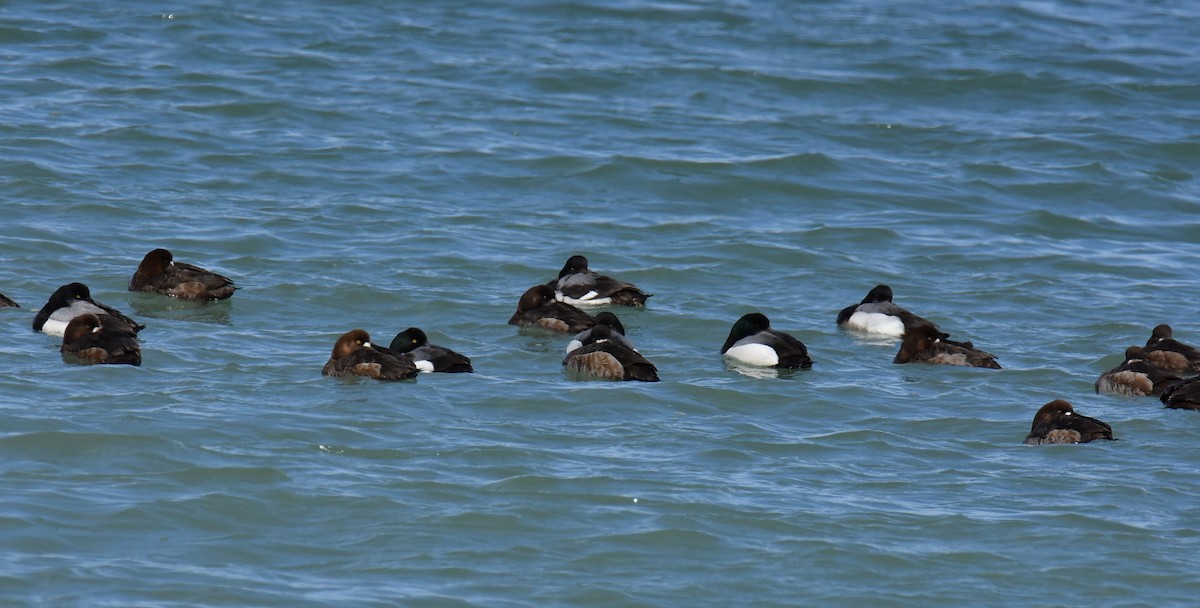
91,338
752,341
160,273
925,343
602,357
1135,377
577,284
1169,354
1057,422
354,355
1182,395
876,315
538,308
70,301
429,357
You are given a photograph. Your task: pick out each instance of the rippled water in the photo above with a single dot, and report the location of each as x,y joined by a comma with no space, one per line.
1024,175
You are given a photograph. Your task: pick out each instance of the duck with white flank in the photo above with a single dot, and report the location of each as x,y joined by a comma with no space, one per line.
751,341
70,301
578,285
429,357
876,315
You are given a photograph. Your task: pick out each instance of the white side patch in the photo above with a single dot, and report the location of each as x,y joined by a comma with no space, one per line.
588,299
425,366
754,354
876,323
574,345
54,327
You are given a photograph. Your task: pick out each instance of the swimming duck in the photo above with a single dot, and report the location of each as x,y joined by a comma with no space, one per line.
429,357
70,301
876,314
1169,354
91,338
1182,395
537,308
6,301
159,273
1057,422
608,319
578,285
925,343
603,357
751,341
1135,377
354,355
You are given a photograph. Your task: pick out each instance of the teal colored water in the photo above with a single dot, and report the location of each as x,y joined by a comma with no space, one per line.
1023,174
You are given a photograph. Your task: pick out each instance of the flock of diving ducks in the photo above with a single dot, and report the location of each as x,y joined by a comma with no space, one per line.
95,333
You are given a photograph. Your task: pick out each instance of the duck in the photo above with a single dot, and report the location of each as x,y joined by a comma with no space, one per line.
578,285
605,318
6,302
90,338
925,343
1182,395
354,355
160,273
752,341
603,357
1169,354
1057,422
876,314
70,301
538,308
1135,377
429,357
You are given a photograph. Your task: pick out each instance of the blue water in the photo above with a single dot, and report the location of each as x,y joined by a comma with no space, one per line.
1022,174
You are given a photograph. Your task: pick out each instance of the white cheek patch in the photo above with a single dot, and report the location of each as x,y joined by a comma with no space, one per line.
96,329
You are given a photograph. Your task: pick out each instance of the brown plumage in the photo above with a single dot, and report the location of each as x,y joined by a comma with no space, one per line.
1135,377
1057,422
354,355
602,357
537,308
160,273
91,338
1167,353
1182,395
925,343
